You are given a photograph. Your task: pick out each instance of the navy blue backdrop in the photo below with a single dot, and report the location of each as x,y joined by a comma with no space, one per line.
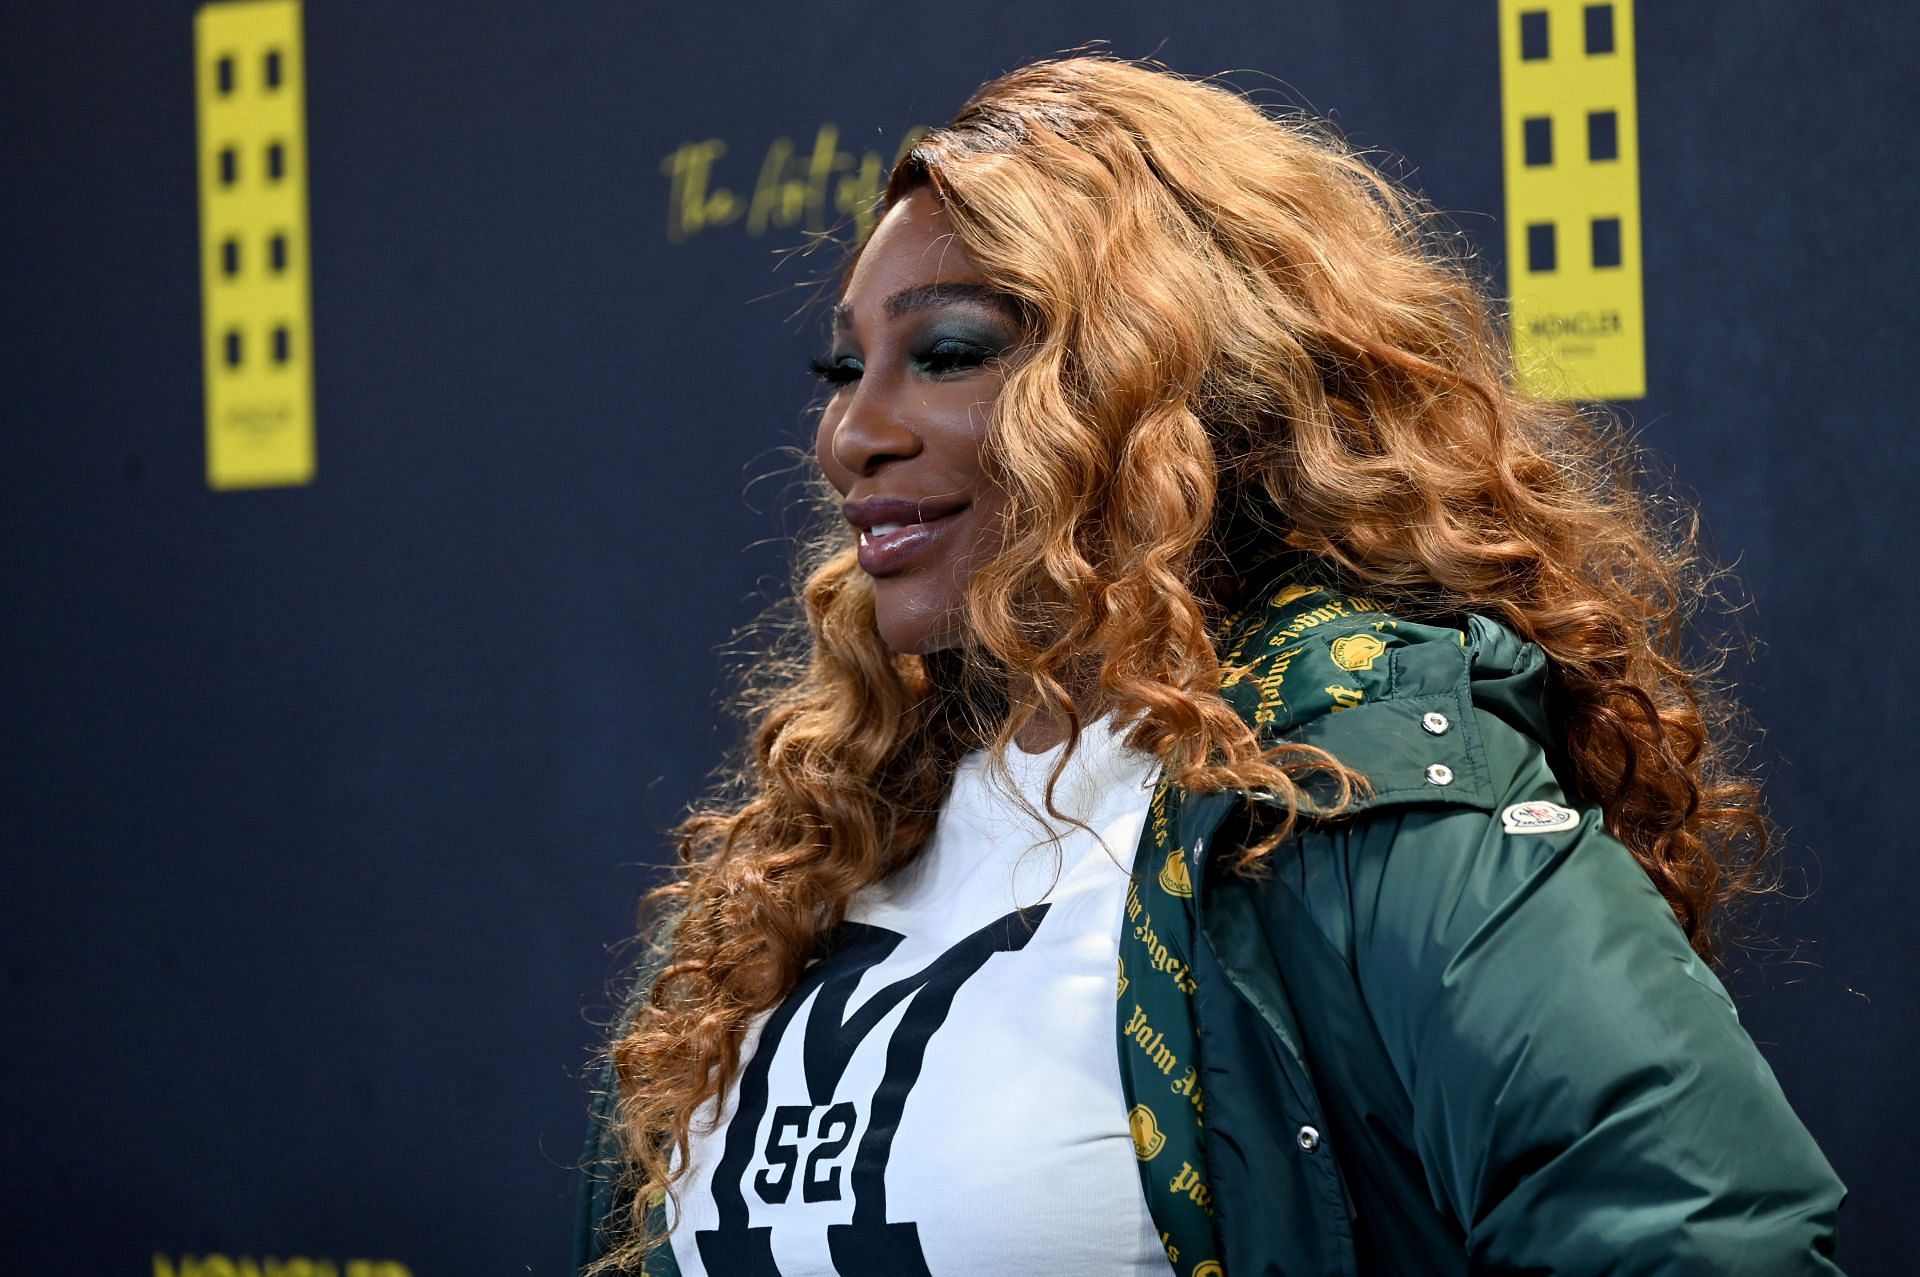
321,805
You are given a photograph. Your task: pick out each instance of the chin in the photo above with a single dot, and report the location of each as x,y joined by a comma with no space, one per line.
915,634
910,642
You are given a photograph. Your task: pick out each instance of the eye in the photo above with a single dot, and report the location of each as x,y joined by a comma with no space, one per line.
949,355
835,373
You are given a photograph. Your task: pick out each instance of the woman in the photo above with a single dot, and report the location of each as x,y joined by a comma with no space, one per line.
1244,805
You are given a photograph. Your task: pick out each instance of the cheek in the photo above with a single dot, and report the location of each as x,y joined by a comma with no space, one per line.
986,529
927,611
823,450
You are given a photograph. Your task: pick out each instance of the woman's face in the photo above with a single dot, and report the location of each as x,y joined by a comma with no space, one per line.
920,347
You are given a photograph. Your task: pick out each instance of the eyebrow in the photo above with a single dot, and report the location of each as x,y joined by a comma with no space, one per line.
928,296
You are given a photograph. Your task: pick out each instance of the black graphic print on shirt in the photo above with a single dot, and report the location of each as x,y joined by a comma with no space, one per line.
870,1245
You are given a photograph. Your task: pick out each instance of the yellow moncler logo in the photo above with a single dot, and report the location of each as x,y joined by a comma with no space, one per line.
1358,651
1211,1268
1174,878
1148,1138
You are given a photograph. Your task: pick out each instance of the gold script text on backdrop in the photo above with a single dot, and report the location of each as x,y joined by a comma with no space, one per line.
268,1266
808,189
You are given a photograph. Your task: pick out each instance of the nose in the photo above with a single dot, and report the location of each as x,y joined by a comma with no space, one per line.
864,430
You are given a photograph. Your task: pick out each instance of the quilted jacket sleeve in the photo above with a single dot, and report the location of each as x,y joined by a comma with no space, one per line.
1584,1096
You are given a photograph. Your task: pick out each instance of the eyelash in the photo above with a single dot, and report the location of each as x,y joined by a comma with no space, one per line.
835,375
938,362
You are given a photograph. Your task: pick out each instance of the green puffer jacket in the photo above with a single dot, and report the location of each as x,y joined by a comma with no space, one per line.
1455,1030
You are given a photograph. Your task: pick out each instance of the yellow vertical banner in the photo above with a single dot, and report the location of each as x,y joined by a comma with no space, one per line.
1571,145
257,330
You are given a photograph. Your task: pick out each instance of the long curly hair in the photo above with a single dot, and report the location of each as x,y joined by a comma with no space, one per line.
1242,338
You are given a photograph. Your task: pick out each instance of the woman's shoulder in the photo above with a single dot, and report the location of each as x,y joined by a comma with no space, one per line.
1431,710
1464,837
1463,802
1527,982
1446,723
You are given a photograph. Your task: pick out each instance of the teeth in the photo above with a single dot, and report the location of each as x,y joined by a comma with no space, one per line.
884,529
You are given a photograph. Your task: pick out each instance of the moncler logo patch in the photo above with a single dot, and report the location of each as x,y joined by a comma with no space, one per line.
1174,878
1148,1138
1538,818
1357,651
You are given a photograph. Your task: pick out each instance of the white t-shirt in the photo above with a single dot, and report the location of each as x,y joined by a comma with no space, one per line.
943,1091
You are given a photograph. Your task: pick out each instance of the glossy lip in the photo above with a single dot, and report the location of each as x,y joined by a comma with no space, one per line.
925,521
